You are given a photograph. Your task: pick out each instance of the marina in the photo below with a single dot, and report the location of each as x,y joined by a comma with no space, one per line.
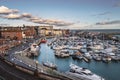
60,40
100,64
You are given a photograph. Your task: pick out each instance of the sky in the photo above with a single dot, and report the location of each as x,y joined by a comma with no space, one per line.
62,14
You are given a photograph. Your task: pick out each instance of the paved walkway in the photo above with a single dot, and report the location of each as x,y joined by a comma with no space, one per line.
11,73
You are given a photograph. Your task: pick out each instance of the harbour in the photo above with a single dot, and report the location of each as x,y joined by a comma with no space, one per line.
100,68
59,40
70,50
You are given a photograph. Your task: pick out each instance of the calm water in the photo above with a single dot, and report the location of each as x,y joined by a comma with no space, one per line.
110,71
118,35
101,30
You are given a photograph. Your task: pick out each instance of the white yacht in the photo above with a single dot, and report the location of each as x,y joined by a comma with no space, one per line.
75,47
83,73
50,65
34,49
88,56
62,53
57,47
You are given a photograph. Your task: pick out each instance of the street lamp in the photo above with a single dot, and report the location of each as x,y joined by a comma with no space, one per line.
36,62
36,69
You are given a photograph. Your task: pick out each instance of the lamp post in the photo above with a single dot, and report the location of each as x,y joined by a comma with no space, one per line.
36,69
36,62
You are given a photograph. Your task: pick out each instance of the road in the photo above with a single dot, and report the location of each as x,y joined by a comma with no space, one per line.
11,73
26,63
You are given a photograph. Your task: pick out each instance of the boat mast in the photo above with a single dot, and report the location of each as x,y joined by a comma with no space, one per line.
103,42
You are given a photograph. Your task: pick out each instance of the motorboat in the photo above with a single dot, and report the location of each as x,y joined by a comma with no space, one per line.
83,50
115,58
107,59
50,65
62,54
88,56
43,40
57,47
83,73
97,57
34,49
78,57
75,47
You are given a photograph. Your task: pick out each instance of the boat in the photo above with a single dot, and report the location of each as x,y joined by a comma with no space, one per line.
83,50
34,49
85,59
83,73
62,54
107,59
78,57
75,47
97,58
57,47
88,56
115,58
43,40
49,65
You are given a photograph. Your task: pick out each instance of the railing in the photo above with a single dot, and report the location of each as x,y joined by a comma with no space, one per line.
1,78
32,71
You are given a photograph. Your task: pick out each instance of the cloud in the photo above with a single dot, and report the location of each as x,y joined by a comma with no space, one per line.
102,14
50,21
63,24
26,15
117,4
108,22
13,16
57,22
35,19
5,10
80,25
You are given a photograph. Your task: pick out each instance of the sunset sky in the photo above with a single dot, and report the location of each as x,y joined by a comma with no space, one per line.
62,14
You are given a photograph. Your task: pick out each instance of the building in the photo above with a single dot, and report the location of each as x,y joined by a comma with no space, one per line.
29,31
49,31
0,32
45,30
2,41
18,33
57,32
12,33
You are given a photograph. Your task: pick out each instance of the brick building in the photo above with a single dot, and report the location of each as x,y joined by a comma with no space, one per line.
30,31
18,33
12,33
0,31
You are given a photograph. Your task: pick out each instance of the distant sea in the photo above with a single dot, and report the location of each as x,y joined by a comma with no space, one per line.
100,30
